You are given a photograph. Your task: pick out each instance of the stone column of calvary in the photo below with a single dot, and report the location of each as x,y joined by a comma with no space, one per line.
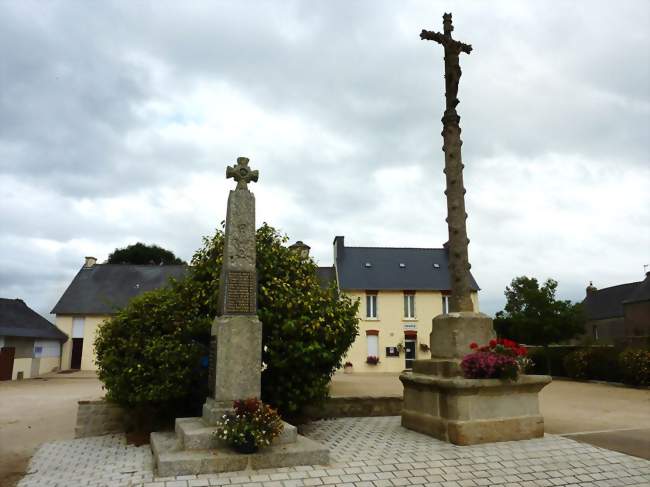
438,401
236,348
452,333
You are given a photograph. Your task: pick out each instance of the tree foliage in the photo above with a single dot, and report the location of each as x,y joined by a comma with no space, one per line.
143,254
532,314
150,353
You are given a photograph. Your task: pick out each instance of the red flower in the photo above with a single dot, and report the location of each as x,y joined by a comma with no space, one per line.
493,343
473,345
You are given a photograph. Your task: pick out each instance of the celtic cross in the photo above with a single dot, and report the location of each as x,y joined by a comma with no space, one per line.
242,173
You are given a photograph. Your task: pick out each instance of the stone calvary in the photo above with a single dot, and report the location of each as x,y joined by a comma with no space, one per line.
235,364
438,400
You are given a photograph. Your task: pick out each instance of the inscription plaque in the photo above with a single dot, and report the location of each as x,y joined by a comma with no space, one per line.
240,292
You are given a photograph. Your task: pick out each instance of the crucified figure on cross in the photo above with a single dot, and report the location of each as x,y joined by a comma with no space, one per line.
453,48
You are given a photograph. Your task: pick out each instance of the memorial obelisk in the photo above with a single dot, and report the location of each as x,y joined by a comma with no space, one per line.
235,369
437,400
236,346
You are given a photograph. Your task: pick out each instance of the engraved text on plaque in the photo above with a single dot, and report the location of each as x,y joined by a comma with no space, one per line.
240,292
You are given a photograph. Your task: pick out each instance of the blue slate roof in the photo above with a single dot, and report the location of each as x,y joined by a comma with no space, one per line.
103,288
19,320
394,268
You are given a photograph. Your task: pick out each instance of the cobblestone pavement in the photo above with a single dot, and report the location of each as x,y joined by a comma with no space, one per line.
366,452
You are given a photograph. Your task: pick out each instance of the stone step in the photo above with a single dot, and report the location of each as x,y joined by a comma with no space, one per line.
194,434
171,460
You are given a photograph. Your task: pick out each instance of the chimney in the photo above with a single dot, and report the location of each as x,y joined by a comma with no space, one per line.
90,261
339,245
591,288
301,249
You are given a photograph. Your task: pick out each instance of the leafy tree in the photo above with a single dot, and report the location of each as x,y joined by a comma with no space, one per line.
143,254
532,315
149,354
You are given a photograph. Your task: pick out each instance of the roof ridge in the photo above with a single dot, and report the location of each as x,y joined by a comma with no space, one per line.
396,248
619,285
137,265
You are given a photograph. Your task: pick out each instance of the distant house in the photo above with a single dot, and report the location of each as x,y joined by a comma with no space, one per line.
29,344
400,291
618,312
96,293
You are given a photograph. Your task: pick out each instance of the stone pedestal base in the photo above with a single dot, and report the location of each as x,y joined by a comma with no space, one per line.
192,450
238,358
470,411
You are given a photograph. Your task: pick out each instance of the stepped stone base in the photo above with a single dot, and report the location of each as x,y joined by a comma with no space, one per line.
192,450
471,411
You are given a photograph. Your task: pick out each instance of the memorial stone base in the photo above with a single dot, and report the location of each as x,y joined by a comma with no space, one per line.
192,450
439,402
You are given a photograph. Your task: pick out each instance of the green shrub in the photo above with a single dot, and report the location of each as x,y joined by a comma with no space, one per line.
149,354
635,367
603,364
555,355
577,364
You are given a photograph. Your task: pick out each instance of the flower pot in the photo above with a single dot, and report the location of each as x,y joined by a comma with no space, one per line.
248,446
347,370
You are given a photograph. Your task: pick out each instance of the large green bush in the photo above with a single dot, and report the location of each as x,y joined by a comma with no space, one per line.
149,354
635,367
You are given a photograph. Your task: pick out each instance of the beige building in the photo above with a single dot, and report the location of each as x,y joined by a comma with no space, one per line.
94,294
400,291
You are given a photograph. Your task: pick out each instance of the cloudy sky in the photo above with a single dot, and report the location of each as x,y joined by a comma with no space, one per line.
117,120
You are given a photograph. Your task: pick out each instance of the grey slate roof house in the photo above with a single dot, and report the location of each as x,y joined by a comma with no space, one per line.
96,293
399,291
100,289
26,340
392,268
619,312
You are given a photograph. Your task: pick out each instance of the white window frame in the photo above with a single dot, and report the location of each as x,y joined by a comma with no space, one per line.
371,306
445,304
409,306
372,342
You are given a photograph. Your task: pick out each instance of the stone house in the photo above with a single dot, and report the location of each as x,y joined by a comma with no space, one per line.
618,313
94,294
400,291
29,344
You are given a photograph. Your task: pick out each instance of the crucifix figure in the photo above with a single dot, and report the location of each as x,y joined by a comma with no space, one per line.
242,173
460,299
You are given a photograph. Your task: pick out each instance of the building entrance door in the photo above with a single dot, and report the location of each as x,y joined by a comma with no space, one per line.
77,347
7,362
409,352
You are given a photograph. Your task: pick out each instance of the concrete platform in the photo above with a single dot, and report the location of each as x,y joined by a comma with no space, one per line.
171,460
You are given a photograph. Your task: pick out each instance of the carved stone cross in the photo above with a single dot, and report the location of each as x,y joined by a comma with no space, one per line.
460,299
242,173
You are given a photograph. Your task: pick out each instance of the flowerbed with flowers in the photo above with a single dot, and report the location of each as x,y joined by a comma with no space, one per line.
251,425
499,359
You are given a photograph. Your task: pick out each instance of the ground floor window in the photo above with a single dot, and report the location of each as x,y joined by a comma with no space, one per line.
372,342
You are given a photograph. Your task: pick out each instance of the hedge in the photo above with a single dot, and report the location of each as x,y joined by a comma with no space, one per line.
606,363
609,364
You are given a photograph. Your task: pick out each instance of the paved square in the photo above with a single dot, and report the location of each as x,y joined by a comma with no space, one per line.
365,452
